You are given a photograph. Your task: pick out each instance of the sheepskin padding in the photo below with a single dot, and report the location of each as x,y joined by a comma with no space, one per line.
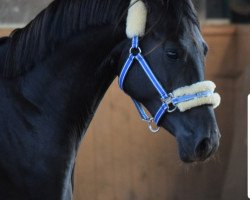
136,19
195,88
213,99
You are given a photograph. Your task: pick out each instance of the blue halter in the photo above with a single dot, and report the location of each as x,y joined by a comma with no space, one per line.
169,102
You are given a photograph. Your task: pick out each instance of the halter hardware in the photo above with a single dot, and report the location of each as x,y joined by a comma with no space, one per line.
170,102
150,125
135,51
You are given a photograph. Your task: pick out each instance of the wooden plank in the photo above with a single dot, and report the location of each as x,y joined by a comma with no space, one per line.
5,32
221,60
219,30
86,166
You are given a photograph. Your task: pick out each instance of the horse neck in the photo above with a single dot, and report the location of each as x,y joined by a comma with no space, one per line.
49,107
73,80
53,100
70,81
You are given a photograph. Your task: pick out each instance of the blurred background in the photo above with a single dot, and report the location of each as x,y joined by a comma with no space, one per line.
120,160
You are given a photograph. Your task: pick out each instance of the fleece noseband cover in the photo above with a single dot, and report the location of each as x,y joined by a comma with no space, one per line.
213,99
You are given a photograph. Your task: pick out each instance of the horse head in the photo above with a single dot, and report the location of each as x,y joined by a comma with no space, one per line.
164,58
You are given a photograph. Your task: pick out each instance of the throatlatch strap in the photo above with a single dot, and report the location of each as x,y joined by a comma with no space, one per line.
125,70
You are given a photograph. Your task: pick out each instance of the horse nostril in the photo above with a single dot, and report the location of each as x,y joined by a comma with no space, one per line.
203,148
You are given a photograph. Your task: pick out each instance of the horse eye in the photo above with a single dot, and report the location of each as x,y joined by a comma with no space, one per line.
172,55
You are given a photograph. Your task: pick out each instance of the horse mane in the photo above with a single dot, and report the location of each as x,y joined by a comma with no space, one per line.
64,18
57,23
186,8
181,9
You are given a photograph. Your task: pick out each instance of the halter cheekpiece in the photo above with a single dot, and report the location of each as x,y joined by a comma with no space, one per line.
184,98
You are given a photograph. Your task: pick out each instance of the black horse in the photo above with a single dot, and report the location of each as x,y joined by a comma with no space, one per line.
55,71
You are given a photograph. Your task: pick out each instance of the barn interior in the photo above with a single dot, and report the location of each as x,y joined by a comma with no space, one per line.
120,160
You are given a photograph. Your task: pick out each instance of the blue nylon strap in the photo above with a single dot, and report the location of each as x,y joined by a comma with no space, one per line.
141,111
160,113
135,42
149,73
125,70
145,67
123,75
184,98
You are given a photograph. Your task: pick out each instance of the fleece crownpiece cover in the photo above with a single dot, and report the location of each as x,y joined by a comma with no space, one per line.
213,99
136,19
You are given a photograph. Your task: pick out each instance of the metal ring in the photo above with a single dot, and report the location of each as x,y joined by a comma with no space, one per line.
137,48
171,110
151,128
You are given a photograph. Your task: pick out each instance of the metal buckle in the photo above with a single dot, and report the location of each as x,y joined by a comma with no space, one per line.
150,125
168,101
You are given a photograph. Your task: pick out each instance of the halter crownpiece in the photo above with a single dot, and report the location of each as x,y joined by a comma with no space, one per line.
185,98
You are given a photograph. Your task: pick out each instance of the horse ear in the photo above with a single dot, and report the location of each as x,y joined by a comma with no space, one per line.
136,19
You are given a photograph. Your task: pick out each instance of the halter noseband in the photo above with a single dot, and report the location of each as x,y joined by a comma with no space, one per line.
183,98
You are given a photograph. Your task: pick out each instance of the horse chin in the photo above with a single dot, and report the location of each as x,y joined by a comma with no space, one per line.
188,153
188,149
197,137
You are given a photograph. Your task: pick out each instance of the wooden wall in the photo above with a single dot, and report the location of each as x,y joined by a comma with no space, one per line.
120,160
